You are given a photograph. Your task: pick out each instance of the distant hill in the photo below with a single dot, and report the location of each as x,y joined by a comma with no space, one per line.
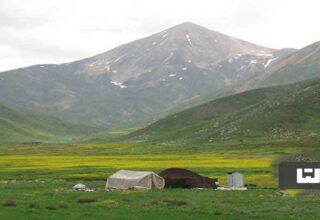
17,127
282,111
301,65
140,81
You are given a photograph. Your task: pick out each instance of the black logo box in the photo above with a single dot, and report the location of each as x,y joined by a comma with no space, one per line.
288,175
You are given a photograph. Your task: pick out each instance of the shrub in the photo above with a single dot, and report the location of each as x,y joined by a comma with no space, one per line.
126,200
9,203
34,206
51,207
175,202
86,200
63,206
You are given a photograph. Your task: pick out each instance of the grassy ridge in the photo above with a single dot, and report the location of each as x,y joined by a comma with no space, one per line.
283,111
20,127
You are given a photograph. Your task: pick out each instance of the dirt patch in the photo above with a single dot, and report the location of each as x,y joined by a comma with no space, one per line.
286,132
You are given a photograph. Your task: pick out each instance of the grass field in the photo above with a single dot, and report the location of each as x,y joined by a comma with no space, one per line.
55,200
36,181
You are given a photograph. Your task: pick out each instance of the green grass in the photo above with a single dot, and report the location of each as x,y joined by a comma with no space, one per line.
56,200
97,161
38,180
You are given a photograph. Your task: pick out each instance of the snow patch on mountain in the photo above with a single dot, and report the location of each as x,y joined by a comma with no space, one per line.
188,39
270,61
162,32
119,84
169,57
119,58
163,36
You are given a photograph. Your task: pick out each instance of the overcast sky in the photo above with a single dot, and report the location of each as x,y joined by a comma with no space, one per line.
56,31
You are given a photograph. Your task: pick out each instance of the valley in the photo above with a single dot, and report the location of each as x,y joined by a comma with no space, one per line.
184,97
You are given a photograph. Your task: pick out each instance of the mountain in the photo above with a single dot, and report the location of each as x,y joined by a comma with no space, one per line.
20,127
140,81
283,111
302,65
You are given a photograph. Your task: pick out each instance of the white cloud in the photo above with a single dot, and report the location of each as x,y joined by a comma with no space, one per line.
47,31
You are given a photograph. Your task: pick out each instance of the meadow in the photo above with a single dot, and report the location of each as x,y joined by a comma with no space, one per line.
36,181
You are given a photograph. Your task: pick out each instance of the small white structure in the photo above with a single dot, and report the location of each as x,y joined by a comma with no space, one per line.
126,179
235,180
79,186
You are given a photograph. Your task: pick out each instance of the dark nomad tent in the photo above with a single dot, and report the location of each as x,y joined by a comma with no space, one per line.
182,178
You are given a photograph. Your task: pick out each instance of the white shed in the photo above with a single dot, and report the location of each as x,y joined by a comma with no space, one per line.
235,180
127,179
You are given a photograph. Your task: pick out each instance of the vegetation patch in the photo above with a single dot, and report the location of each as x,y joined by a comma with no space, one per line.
63,206
34,206
109,202
51,207
84,200
9,203
175,202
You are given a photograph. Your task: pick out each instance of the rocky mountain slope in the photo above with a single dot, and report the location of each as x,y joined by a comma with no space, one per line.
140,81
302,65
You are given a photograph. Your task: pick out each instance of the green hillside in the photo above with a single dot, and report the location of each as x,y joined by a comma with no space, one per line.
20,127
283,111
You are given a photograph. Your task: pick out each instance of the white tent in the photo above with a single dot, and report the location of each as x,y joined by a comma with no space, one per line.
79,186
126,179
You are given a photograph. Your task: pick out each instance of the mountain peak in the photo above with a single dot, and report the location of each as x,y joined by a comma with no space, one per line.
172,50
138,81
188,26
